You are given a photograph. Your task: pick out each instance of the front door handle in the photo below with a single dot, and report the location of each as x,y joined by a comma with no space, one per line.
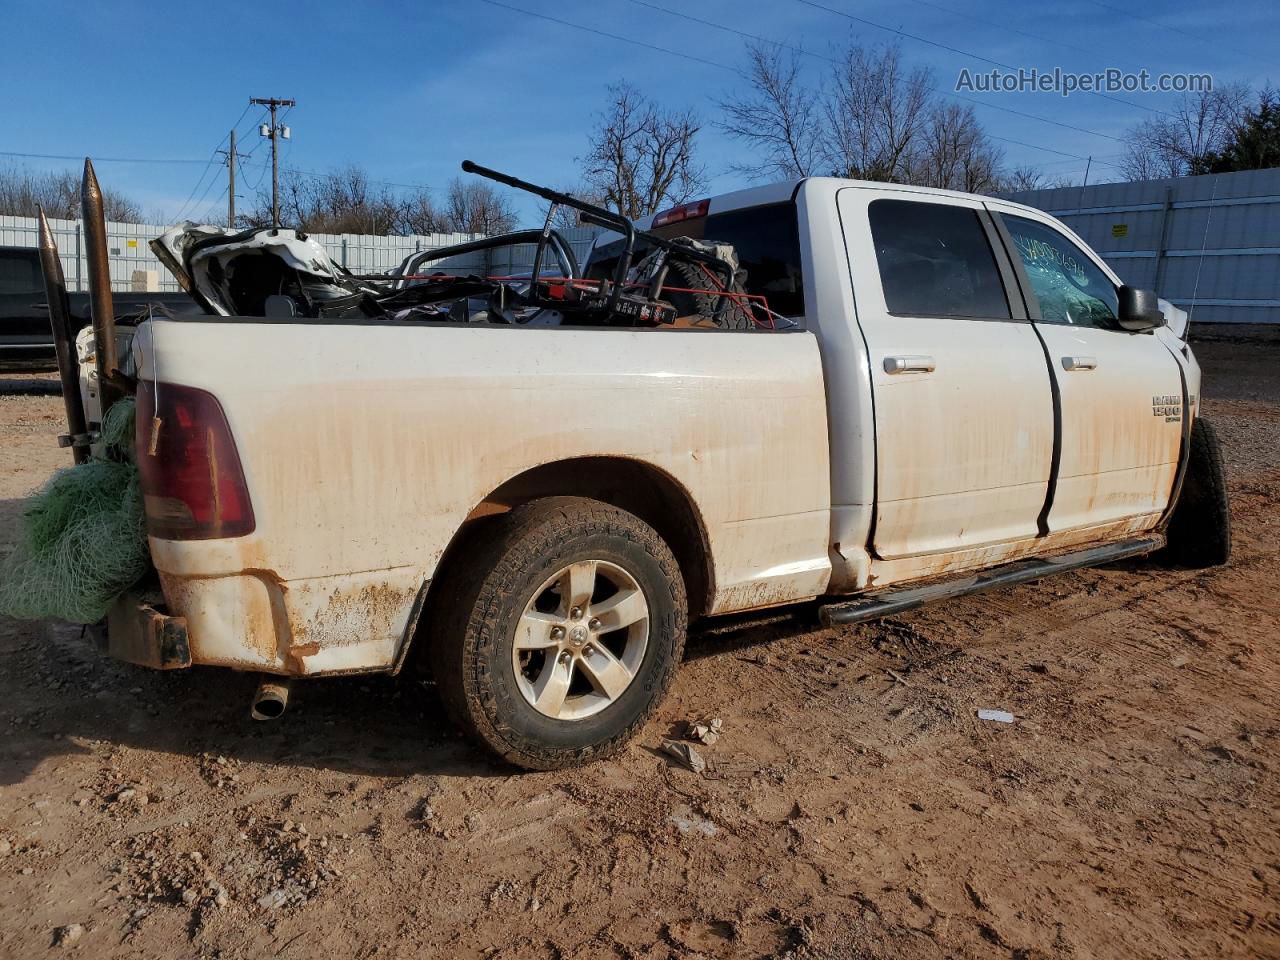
1079,363
909,365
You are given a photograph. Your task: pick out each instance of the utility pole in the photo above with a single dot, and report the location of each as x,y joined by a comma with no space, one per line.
231,183
230,154
274,133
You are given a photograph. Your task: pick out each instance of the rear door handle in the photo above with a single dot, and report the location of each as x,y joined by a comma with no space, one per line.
909,365
1079,363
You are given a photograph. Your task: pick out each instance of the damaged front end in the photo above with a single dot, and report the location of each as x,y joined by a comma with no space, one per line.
262,273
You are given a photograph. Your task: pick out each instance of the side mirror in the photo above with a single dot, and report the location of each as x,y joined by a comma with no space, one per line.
1139,309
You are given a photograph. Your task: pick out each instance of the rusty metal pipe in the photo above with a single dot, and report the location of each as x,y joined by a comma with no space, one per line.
100,300
55,293
271,698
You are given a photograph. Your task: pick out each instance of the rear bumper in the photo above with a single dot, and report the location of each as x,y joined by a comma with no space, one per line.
139,633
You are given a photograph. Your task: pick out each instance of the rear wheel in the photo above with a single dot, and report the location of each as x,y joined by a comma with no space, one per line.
560,632
1200,528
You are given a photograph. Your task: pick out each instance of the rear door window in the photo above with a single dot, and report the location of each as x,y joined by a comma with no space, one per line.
935,261
1070,287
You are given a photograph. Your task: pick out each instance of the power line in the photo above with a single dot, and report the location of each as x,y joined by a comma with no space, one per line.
195,206
727,29
967,15
215,204
314,175
96,159
262,176
1104,160
253,126
1032,116
810,53
1062,153
241,117
612,36
964,53
212,157
1134,16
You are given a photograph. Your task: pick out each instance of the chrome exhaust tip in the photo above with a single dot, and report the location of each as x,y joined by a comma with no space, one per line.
270,699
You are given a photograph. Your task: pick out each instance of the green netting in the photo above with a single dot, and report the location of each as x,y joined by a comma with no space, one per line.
82,539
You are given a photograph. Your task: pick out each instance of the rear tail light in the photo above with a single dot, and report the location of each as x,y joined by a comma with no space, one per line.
192,482
686,211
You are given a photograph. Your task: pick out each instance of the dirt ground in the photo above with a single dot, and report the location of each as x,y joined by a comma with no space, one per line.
858,808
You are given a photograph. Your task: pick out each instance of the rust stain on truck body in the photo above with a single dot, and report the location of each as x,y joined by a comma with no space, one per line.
421,424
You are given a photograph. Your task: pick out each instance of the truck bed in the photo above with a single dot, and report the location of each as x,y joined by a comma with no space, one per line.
366,446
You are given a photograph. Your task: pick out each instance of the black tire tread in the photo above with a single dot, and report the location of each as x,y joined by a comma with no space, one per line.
683,273
475,589
1199,531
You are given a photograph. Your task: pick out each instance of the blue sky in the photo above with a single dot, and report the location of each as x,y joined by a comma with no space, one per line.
409,90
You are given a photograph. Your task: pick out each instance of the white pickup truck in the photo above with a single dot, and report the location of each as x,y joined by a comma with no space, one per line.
963,395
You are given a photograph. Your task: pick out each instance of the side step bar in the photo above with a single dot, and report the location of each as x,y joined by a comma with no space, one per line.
1021,571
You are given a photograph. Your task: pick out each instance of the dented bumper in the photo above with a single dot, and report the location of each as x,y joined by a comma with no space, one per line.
240,613
139,633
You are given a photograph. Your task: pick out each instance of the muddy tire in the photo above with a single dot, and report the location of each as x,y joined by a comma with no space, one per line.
559,632
1200,528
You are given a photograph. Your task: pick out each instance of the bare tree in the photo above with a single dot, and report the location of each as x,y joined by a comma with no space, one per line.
1181,144
22,191
567,218
342,201
641,157
348,201
420,214
1141,161
876,112
778,117
474,206
877,118
1027,177
953,152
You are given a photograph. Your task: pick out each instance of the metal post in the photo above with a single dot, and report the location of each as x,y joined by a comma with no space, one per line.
1158,277
231,183
100,301
55,291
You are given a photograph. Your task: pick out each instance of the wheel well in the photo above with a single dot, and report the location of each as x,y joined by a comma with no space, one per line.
630,485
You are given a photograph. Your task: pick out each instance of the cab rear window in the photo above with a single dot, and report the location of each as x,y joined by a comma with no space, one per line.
766,239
